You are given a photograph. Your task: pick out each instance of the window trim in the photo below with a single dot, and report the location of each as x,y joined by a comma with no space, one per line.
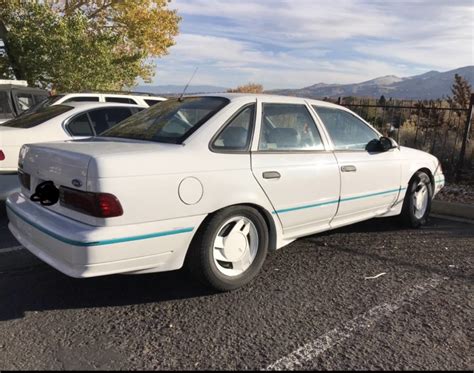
290,151
314,107
229,121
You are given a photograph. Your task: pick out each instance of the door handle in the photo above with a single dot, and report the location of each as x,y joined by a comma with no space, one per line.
271,175
349,168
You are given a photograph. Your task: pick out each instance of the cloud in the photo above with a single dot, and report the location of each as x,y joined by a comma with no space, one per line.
294,43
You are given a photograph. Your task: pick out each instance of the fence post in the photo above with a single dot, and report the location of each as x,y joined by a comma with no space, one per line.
467,129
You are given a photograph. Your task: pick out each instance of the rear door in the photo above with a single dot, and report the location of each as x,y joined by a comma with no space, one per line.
370,182
292,164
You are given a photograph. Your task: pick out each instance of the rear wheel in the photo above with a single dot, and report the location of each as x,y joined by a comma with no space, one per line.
417,203
230,248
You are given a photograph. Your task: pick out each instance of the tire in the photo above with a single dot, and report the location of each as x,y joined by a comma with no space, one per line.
210,265
415,214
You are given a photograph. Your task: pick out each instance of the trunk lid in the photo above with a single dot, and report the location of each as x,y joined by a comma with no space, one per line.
47,163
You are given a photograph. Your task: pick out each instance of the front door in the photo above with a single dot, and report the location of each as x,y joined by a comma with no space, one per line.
370,182
295,169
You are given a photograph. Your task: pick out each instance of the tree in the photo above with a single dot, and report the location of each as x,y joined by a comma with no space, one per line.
248,88
78,45
461,91
382,101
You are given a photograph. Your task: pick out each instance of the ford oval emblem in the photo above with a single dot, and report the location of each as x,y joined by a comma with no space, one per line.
77,183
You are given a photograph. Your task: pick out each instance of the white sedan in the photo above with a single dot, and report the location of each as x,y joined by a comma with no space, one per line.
213,183
54,123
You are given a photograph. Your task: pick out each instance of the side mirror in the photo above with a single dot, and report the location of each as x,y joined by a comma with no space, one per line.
381,145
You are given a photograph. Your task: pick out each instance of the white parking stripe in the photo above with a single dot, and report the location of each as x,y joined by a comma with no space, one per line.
312,350
10,249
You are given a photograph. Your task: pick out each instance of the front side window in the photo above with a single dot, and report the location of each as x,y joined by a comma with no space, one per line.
37,117
346,131
237,134
171,122
288,127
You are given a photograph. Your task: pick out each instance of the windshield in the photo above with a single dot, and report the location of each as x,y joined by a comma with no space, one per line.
38,117
5,109
172,121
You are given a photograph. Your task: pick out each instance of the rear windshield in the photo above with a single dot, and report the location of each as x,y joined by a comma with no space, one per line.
172,121
37,117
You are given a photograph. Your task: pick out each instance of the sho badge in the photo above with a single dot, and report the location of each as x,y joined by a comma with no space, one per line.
77,183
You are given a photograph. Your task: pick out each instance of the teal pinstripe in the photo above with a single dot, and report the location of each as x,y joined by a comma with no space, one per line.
104,242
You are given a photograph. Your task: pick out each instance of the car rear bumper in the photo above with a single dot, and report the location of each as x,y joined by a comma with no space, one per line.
80,250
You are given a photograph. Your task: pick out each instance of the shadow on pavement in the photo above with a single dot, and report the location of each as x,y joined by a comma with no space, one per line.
47,289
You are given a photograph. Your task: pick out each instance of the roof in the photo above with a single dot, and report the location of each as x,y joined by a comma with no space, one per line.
263,97
9,87
85,105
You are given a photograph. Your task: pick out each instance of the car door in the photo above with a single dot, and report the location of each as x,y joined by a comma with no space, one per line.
370,181
292,164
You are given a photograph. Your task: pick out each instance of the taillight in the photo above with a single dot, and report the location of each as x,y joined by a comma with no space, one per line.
2,155
100,205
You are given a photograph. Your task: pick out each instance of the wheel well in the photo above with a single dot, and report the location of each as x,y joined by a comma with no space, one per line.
426,171
272,233
272,243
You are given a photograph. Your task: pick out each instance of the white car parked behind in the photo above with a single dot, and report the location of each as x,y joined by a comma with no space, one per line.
54,123
214,182
143,99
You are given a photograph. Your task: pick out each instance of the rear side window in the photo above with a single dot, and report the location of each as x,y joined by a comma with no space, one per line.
37,117
237,134
121,100
152,102
80,126
82,99
287,127
103,119
5,109
346,130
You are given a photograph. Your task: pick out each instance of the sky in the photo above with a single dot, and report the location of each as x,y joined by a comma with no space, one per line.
297,43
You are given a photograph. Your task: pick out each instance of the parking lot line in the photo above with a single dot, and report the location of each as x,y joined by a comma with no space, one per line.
312,350
10,249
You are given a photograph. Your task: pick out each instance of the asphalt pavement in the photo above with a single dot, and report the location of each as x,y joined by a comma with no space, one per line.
370,296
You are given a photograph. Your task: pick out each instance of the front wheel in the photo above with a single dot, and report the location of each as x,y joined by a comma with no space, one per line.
230,248
417,203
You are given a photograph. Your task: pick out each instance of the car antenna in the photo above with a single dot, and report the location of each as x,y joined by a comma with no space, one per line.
187,85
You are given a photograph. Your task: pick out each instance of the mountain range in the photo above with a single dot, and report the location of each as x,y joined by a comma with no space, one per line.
430,85
178,89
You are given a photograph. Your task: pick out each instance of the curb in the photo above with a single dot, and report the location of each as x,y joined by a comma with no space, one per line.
454,209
